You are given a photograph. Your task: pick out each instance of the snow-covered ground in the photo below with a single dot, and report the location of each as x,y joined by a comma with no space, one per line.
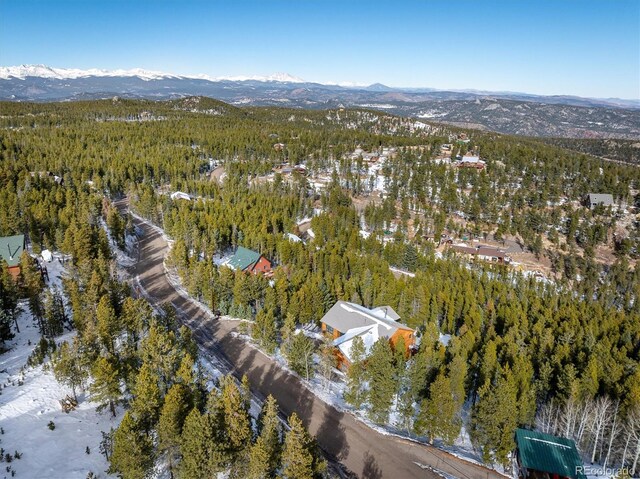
29,401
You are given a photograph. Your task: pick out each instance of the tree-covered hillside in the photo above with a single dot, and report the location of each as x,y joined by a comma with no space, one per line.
520,347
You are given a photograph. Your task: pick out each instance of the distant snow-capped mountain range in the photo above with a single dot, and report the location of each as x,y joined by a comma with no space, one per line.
506,112
21,72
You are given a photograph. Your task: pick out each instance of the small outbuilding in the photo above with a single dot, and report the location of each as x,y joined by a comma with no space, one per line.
47,255
543,456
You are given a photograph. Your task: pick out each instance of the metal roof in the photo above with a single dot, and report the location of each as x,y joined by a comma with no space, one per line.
543,452
345,316
11,248
600,198
243,258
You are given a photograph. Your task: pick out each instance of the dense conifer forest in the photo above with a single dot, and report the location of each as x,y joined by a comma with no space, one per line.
523,353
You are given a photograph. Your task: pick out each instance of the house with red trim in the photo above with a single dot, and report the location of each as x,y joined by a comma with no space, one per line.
346,321
11,248
249,261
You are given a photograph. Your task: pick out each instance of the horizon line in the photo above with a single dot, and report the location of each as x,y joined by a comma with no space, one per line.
279,77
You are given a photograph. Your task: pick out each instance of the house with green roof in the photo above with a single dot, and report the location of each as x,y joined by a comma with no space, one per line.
543,456
249,261
11,248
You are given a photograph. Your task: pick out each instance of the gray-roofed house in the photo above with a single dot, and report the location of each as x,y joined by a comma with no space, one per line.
345,321
604,199
249,261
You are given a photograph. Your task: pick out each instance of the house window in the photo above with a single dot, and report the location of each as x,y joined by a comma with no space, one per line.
329,329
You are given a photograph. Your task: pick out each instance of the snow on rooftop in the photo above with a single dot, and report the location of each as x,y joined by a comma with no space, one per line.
378,316
369,335
294,238
180,195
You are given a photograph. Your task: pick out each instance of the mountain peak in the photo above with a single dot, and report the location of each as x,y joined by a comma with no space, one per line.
43,71
378,87
22,72
275,77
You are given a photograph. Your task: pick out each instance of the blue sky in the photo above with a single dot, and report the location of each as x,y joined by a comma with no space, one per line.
578,47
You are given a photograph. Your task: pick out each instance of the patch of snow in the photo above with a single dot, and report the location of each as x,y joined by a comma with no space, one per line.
401,271
46,255
29,401
310,330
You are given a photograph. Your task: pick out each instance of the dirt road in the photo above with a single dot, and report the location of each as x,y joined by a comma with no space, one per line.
365,452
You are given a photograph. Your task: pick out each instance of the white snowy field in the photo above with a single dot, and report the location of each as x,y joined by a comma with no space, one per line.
29,401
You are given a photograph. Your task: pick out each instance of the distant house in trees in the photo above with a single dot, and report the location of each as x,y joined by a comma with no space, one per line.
249,261
346,321
594,199
481,252
48,175
286,169
462,139
11,248
469,161
543,456
180,195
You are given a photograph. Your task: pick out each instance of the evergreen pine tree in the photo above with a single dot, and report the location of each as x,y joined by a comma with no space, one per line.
300,357
32,285
8,303
196,433
300,456
199,448
105,388
439,413
327,360
264,455
236,422
5,326
177,405
68,367
136,316
258,462
132,456
382,384
54,314
354,393
287,331
160,350
107,323
458,375
264,330
399,359
147,398
494,418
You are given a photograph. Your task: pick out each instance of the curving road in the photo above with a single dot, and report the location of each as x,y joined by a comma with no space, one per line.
363,451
